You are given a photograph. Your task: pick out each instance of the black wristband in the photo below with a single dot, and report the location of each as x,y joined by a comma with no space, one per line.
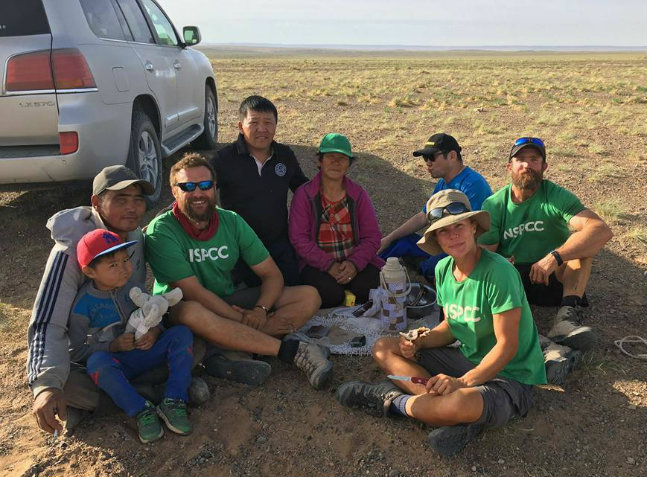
558,257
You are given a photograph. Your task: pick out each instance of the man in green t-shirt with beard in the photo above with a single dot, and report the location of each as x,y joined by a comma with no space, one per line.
532,219
195,246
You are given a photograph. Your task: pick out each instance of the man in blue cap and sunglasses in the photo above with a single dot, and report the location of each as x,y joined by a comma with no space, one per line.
442,156
532,219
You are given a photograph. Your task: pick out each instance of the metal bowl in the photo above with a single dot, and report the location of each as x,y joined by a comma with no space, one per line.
421,301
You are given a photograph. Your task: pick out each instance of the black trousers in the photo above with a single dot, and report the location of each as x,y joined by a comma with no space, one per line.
332,293
283,255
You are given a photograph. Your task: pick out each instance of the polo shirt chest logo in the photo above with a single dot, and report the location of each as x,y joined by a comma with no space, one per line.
280,169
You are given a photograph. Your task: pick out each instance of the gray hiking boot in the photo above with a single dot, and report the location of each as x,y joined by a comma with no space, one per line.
237,366
198,392
313,360
569,331
560,361
375,399
448,440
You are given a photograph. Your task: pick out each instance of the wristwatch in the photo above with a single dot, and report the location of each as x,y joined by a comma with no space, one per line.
264,308
558,257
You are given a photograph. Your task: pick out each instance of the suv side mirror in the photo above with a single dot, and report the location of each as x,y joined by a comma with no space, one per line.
191,35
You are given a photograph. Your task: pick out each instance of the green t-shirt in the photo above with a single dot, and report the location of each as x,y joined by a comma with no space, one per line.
494,286
174,255
530,230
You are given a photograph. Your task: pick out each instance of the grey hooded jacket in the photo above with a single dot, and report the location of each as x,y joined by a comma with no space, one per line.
48,362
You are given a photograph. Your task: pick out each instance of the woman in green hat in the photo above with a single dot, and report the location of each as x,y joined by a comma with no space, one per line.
334,230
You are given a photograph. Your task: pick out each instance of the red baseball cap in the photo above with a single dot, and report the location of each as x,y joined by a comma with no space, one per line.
97,243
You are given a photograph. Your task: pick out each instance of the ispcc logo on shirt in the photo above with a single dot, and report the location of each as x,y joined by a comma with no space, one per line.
204,254
468,314
513,232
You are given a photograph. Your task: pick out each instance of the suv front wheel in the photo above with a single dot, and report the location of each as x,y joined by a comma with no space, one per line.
145,154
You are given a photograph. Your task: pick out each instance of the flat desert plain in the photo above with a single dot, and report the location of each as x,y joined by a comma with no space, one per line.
591,110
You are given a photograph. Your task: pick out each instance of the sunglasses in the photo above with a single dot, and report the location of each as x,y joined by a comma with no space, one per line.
453,208
432,158
191,186
526,140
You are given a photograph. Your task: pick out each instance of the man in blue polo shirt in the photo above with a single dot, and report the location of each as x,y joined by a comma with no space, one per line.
442,155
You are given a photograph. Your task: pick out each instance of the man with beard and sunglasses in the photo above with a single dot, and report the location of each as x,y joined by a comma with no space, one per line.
442,156
195,246
532,219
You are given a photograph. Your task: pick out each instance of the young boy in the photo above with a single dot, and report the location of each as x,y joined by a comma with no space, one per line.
96,329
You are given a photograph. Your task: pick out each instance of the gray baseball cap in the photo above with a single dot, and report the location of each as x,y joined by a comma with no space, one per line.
118,178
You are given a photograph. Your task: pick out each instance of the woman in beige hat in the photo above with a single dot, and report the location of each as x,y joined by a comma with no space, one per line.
490,377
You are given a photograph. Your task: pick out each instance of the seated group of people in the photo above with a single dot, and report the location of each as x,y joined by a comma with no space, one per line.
250,276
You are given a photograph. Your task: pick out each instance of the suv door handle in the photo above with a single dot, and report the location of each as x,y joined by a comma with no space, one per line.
177,65
149,66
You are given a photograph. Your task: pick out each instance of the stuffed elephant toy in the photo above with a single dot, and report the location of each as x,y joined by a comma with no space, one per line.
151,309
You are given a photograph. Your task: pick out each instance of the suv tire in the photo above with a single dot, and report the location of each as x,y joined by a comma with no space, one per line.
209,138
145,154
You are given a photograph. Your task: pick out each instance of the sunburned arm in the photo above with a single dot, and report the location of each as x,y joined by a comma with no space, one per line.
590,235
193,290
412,225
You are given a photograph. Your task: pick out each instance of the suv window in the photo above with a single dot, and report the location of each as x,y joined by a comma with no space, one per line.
103,20
26,17
163,27
136,21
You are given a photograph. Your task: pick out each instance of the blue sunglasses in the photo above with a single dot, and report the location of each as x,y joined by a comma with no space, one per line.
191,186
525,140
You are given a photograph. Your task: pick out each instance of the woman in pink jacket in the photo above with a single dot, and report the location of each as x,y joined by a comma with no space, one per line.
334,230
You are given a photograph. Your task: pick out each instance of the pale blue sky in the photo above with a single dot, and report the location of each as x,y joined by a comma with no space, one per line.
416,22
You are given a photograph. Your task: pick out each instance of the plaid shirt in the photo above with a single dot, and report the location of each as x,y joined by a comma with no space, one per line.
335,235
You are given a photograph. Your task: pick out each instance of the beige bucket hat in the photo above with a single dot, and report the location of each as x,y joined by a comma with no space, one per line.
445,208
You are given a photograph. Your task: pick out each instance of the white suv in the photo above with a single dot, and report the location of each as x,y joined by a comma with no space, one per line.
92,83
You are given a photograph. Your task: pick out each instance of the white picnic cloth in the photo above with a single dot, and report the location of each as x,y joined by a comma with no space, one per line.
371,328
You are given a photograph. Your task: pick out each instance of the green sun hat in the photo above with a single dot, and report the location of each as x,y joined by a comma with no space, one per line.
334,142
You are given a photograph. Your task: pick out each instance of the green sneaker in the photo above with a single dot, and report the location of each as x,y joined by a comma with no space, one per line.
173,413
148,425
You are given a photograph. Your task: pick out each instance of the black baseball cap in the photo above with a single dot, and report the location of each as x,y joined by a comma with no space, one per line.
440,142
118,178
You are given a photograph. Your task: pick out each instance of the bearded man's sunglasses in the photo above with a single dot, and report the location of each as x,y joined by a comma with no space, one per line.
191,186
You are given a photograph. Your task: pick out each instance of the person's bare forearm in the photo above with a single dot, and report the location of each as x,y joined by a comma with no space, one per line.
585,243
490,366
440,336
271,289
412,225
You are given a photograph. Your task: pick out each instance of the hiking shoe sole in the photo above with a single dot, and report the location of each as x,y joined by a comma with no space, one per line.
557,370
582,338
246,371
448,440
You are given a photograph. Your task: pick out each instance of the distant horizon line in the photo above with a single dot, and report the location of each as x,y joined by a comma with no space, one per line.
433,48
